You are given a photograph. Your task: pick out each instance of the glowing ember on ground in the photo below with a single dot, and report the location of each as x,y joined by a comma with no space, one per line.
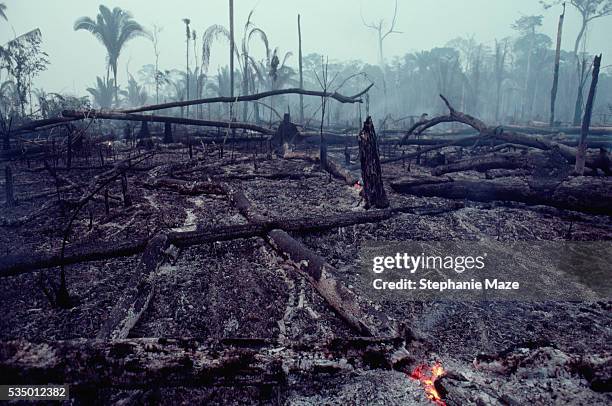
427,376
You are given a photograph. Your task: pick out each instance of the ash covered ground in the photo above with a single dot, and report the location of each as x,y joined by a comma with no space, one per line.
492,352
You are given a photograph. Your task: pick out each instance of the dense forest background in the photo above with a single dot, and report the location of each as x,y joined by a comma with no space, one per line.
509,82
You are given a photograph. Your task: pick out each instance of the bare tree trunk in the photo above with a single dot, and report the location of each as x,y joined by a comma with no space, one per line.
581,68
553,92
127,201
6,144
168,138
371,173
301,70
69,150
586,121
231,17
8,186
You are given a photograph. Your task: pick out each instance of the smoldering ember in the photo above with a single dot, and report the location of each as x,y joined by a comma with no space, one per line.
187,189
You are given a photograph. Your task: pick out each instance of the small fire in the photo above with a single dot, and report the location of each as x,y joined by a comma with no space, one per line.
427,376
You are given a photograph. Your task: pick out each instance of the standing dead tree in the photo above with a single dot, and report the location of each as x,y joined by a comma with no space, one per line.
553,92
8,186
586,121
299,22
371,173
324,82
383,32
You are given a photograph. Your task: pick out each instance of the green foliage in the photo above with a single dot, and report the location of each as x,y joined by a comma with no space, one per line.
24,59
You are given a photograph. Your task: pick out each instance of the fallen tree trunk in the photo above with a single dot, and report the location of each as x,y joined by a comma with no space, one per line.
21,263
138,293
557,130
498,133
484,163
589,194
99,114
158,362
319,273
333,167
425,150
252,97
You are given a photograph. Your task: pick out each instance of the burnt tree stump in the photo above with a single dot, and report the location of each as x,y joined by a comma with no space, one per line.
168,138
287,133
144,130
127,201
371,173
8,185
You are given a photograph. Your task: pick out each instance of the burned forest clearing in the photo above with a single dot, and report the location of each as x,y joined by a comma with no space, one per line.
266,236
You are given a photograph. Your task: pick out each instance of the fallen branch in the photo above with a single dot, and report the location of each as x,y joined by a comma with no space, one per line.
84,114
138,293
253,97
333,167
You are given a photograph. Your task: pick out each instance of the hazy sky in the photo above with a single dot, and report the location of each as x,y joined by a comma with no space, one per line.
329,27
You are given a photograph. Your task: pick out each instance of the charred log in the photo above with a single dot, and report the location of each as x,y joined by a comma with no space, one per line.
138,293
153,362
580,194
8,187
484,163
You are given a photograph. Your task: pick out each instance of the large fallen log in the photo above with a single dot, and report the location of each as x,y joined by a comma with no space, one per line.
486,162
557,130
589,194
252,97
158,362
318,272
21,263
138,292
485,132
100,114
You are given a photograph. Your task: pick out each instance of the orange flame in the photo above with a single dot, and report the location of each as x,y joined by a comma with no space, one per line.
427,376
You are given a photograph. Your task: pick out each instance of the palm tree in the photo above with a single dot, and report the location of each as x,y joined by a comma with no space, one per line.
135,95
113,29
103,92
3,11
